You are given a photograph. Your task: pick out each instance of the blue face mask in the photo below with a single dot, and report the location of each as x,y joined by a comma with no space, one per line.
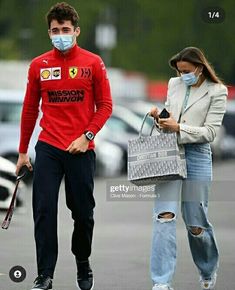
63,41
190,78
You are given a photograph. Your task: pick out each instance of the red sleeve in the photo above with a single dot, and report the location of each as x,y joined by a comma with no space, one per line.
30,109
102,95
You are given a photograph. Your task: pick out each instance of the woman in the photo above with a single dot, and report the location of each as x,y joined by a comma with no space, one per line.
196,100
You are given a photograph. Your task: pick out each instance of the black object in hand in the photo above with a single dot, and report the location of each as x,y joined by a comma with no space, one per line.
164,114
22,173
24,170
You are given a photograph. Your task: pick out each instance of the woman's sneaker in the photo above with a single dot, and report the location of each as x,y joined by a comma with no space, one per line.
42,283
208,284
162,287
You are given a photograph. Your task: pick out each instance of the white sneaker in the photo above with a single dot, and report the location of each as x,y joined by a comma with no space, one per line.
208,284
162,287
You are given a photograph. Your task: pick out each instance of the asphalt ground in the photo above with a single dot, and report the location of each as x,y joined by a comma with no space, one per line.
122,240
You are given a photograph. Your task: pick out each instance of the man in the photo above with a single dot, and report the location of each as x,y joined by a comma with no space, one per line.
74,91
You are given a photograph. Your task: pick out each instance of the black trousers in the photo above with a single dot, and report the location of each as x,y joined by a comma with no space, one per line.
51,165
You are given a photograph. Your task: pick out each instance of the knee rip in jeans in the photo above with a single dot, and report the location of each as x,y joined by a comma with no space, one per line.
164,217
196,231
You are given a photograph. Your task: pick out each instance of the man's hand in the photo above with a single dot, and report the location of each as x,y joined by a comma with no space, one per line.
78,145
169,124
23,159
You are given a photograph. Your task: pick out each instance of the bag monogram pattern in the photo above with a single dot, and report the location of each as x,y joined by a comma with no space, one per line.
155,158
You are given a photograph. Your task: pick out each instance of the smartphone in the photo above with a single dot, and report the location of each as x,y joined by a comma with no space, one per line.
164,114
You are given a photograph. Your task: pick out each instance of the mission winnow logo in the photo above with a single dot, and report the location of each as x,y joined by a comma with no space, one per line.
66,96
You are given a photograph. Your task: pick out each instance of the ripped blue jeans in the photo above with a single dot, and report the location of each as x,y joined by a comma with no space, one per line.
193,194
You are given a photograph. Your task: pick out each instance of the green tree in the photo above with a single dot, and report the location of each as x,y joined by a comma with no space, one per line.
149,32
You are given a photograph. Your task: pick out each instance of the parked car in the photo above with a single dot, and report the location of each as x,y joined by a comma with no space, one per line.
10,112
141,108
109,155
109,158
226,138
7,184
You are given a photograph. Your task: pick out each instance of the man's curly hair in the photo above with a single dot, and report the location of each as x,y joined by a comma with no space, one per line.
61,12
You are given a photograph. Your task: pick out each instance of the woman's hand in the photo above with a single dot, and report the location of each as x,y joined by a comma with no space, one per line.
154,112
169,124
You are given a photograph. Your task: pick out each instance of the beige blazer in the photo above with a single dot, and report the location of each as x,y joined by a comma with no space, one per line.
204,113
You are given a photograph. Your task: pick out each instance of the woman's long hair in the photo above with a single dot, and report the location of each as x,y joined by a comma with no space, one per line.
195,56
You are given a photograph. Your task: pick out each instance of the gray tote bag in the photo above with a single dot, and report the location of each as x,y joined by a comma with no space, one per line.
155,158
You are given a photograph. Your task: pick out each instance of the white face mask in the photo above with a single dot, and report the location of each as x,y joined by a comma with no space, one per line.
63,42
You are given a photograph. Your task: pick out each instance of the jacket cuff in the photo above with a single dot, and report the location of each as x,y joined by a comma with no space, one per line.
189,129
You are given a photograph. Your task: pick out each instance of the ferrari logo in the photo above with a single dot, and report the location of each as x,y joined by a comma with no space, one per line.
73,71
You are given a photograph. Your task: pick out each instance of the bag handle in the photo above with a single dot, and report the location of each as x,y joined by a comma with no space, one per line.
142,126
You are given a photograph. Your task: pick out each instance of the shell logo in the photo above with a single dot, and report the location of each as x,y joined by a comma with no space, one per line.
45,74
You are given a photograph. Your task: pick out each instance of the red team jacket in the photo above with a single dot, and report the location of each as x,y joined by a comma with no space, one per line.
75,97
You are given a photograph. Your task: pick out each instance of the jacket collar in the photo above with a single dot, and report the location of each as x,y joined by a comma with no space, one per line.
69,55
195,95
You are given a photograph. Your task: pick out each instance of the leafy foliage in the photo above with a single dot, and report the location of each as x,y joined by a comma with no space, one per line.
149,32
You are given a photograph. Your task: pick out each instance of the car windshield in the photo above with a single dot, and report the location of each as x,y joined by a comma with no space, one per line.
10,112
